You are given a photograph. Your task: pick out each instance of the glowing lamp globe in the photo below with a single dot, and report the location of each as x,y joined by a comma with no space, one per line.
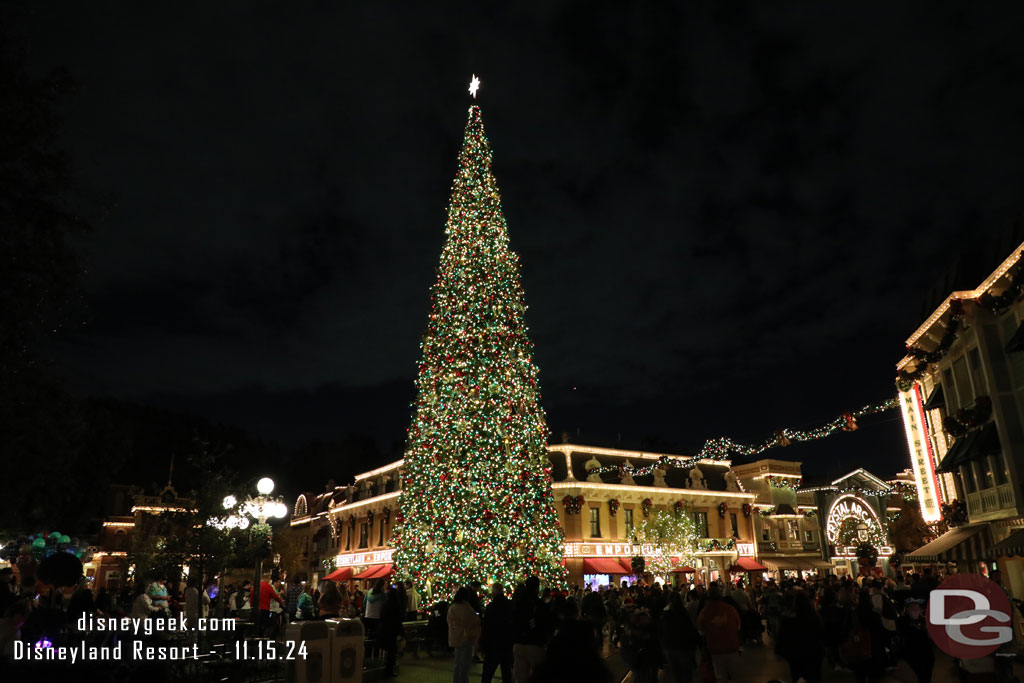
229,502
265,486
281,511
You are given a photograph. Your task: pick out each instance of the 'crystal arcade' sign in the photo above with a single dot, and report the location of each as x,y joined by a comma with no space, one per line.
849,507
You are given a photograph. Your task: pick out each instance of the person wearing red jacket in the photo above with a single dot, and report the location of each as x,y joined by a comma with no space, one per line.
719,623
267,593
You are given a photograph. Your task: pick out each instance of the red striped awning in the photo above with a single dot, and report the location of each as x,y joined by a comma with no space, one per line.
339,574
627,564
680,568
376,571
602,565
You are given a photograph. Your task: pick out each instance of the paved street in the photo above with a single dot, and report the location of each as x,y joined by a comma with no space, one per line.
761,666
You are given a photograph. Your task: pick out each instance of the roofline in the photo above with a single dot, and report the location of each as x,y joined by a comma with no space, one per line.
863,471
986,285
568,448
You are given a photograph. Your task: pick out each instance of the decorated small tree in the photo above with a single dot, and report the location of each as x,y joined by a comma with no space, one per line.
476,500
668,537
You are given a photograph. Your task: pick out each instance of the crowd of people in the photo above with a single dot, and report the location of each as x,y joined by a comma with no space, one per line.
864,626
678,633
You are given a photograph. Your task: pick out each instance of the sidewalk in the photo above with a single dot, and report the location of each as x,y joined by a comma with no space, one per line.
438,669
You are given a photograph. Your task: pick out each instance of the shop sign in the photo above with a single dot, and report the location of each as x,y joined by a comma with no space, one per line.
358,559
922,457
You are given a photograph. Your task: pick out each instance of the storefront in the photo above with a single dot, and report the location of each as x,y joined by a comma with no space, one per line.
365,566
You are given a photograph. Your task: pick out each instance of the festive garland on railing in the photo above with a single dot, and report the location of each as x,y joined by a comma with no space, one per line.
994,304
724,448
783,482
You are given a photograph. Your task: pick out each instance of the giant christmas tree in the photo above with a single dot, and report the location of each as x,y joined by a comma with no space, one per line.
476,502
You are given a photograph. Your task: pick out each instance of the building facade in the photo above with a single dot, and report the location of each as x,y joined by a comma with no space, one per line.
348,528
786,531
961,391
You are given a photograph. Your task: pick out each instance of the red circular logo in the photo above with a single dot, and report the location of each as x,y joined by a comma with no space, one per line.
969,616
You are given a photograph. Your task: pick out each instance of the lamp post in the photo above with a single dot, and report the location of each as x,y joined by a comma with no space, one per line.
260,507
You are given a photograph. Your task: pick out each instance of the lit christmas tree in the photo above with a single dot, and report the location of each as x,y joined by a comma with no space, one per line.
476,502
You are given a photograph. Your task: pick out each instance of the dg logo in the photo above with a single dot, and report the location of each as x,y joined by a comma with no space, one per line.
969,616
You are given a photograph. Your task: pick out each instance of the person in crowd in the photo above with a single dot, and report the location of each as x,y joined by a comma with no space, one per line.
14,617
862,650
886,610
291,599
799,641
242,596
267,593
412,602
531,625
159,595
8,588
771,605
463,631
82,601
572,655
390,626
329,606
497,636
679,640
917,647
593,609
192,604
719,623
374,602
640,650
835,622
304,605
103,603
143,607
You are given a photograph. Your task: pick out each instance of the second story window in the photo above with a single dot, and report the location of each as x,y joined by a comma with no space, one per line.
734,525
700,520
364,533
595,522
380,539
629,524
348,542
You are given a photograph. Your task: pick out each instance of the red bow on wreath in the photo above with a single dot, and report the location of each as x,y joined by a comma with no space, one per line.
722,507
747,510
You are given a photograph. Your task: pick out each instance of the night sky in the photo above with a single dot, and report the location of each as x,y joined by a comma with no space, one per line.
728,218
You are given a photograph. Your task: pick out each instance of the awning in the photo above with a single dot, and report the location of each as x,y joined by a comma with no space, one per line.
602,565
680,568
1010,546
340,574
957,453
1016,342
962,543
818,564
987,443
627,564
936,400
749,564
376,571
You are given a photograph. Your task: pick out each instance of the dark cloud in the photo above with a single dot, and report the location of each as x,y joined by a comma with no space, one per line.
727,216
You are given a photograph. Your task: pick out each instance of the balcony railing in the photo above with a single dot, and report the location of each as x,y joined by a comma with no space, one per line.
991,500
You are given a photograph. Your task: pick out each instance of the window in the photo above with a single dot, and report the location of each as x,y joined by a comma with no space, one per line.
380,539
766,531
734,524
984,472
949,391
700,520
808,536
967,472
364,533
348,543
794,529
629,524
595,522
977,373
964,392
999,469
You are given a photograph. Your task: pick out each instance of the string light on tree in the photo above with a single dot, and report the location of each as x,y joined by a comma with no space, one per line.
476,499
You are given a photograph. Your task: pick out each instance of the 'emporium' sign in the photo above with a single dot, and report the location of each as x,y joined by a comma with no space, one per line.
921,456
358,559
849,507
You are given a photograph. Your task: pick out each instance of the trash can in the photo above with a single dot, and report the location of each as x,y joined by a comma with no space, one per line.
348,642
316,666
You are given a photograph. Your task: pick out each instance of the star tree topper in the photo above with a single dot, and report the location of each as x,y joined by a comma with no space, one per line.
474,85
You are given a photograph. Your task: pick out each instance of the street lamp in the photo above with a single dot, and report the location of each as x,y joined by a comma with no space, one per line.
260,507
